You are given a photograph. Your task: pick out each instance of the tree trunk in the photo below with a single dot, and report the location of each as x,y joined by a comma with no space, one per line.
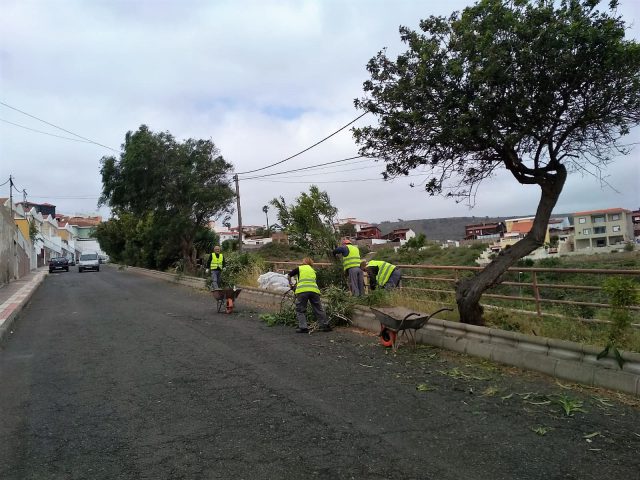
469,290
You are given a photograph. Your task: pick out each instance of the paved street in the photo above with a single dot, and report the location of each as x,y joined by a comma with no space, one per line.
112,375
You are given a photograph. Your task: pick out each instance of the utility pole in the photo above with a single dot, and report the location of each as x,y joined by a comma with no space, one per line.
13,230
235,178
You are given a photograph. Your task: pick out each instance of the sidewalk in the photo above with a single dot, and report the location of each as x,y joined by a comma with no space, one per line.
15,295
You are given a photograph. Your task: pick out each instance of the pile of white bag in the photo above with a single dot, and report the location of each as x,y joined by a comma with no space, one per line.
275,282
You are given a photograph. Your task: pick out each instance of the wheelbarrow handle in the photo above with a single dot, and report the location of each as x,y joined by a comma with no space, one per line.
445,309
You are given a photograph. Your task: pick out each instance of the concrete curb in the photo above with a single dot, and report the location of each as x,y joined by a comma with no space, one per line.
559,358
11,308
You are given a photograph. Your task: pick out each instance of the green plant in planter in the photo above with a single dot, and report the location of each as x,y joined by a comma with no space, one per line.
622,293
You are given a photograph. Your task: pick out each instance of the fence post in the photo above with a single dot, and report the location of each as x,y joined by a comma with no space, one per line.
536,294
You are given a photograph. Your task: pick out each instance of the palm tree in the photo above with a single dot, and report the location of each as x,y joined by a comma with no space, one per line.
265,209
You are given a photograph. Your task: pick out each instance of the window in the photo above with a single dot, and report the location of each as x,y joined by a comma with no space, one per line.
586,231
598,219
615,216
599,230
616,228
582,220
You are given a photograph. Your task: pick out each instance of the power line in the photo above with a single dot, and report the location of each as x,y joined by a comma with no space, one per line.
306,149
3,184
343,181
311,167
304,175
44,133
59,128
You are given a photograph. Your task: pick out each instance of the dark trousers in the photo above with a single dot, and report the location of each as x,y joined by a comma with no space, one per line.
316,304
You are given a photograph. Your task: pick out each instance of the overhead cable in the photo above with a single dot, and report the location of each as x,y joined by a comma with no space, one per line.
44,133
59,128
311,167
344,181
306,149
3,184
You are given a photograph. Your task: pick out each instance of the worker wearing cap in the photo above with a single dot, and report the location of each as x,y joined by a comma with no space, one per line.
351,264
381,274
307,291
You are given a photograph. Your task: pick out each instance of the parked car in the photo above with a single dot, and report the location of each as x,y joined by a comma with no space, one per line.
88,261
58,263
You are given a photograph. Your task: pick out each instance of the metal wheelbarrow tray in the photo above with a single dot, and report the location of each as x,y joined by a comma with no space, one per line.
394,320
225,297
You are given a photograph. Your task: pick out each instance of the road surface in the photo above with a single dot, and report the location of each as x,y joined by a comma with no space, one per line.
112,375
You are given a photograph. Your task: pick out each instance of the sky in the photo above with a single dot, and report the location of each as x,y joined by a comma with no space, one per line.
263,79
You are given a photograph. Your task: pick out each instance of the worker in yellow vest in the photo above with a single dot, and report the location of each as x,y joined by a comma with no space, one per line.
381,274
351,265
216,265
307,291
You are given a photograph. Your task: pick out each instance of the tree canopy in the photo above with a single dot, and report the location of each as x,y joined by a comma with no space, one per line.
309,222
538,87
162,193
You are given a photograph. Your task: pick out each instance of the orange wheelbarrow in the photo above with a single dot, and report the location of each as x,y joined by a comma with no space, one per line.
225,298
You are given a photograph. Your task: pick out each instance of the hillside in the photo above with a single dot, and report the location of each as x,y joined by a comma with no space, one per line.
439,229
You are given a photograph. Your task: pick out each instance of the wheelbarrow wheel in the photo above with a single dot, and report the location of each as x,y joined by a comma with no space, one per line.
229,305
387,337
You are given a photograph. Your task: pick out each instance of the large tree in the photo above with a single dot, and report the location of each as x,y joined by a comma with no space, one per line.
540,88
309,222
170,188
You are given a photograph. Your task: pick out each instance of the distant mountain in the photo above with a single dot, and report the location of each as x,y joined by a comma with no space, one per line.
439,229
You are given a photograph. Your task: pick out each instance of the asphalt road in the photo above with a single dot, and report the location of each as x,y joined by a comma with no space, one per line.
112,375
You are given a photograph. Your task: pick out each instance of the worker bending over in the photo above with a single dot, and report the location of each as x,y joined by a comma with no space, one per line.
307,291
381,274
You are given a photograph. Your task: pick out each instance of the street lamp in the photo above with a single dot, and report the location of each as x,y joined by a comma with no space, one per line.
265,209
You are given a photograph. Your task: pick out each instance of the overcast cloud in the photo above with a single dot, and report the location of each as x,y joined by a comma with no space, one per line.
263,79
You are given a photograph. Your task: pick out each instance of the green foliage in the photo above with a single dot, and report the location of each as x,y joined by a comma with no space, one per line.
34,231
229,245
376,298
347,230
279,251
622,293
629,247
416,242
331,276
309,221
242,268
162,193
494,86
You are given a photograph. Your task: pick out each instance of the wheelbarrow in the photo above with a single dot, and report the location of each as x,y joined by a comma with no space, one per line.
401,320
225,298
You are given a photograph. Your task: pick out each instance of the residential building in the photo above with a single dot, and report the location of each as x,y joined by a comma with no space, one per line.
602,228
357,224
43,208
484,231
635,220
400,235
368,233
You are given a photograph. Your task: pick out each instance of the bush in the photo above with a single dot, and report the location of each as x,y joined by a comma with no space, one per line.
242,269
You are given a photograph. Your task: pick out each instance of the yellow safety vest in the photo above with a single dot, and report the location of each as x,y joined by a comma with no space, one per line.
384,271
306,280
216,262
353,259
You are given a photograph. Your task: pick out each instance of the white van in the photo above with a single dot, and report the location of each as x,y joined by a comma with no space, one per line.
89,261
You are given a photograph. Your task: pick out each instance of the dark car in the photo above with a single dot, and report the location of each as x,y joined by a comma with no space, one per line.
58,263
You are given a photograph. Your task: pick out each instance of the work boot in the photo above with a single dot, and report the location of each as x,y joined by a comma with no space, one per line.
325,328
302,330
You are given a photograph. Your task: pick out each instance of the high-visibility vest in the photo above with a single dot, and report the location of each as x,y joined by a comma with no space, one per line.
384,271
353,259
216,262
306,280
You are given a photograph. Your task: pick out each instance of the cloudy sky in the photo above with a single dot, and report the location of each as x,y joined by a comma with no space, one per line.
263,79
